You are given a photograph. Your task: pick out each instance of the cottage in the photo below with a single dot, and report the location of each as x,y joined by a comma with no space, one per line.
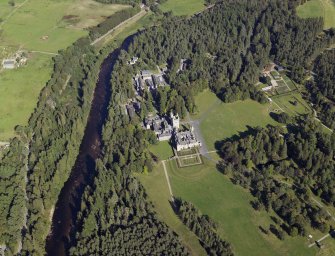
133,60
279,68
9,64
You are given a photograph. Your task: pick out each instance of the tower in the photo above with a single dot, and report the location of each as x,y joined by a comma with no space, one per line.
174,120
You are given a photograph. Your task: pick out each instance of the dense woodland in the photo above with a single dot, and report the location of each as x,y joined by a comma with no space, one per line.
322,87
205,228
284,172
228,45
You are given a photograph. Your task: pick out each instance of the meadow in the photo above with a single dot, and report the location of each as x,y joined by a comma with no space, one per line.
185,7
229,205
20,89
41,27
231,118
162,150
319,8
158,192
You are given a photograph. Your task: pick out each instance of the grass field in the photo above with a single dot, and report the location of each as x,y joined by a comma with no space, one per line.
184,7
38,25
20,90
205,101
223,120
162,150
62,21
229,206
319,8
157,190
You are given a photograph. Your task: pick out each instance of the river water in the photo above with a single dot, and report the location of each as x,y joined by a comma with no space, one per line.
68,204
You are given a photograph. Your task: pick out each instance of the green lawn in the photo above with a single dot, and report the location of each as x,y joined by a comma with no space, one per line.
162,150
19,90
229,206
223,120
205,101
183,7
319,8
157,190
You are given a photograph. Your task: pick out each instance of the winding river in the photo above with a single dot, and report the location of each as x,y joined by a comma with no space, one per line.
68,204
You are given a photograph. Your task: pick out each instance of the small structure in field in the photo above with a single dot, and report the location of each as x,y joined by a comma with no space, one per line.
9,63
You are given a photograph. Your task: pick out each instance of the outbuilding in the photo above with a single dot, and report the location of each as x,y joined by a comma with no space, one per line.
9,64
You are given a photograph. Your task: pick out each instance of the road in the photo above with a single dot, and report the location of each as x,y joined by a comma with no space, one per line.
48,53
168,180
196,125
318,241
141,13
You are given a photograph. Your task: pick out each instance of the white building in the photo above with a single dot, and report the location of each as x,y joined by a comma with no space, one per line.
9,63
133,60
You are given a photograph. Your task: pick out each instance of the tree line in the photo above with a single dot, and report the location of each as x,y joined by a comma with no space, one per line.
204,227
111,22
321,87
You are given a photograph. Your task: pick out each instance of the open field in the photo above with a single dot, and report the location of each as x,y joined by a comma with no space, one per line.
59,22
229,206
158,192
20,89
319,8
162,150
226,119
6,9
38,25
205,101
185,7
88,13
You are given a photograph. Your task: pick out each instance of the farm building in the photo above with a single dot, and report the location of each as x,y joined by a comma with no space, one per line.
9,63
